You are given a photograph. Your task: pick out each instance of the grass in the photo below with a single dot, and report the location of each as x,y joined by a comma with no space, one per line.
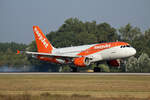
47,96
74,87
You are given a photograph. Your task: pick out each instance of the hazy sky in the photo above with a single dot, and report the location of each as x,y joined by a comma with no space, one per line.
18,16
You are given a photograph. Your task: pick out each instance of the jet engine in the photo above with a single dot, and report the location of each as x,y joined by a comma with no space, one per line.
81,61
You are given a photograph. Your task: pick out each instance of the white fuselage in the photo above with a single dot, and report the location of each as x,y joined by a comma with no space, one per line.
107,54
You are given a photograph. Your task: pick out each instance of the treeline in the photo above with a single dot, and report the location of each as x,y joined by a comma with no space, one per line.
11,61
8,55
13,46
75,32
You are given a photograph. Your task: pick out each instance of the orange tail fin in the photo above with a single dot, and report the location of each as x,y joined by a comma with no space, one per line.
43,45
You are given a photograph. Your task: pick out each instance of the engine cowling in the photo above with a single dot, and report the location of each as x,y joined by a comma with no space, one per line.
81,61
115,63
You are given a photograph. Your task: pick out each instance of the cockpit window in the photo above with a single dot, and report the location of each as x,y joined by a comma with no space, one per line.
124,46
128,46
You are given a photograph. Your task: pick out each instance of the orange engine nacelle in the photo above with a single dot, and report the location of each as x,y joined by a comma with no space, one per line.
53,60
81,62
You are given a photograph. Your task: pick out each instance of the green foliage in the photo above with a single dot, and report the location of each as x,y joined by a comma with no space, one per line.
128,33
106,33
146,42
92,66
10,58
74,32
132,65
104,68
66,68
32,47
144,63
140,64
12,45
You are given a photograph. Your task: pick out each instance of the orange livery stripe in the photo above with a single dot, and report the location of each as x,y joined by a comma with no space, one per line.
99,47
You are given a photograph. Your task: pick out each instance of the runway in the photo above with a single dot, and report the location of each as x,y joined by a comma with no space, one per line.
52,73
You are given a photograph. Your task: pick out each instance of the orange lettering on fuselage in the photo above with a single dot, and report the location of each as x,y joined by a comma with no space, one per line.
102,46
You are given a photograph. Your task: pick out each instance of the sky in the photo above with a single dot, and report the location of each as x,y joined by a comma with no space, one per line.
17,17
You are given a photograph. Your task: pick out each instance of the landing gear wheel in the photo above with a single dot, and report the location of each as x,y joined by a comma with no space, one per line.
97,69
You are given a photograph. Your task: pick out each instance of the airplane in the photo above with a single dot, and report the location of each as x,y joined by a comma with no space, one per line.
80,56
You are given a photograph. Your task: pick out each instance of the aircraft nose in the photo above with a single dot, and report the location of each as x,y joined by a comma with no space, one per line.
133,51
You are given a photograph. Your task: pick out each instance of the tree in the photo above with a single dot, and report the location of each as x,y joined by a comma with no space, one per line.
75,32
144,63
104,68
146,42
129,33
131,65
66,68
106,33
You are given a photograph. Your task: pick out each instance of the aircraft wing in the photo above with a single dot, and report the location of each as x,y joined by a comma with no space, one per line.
54,55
